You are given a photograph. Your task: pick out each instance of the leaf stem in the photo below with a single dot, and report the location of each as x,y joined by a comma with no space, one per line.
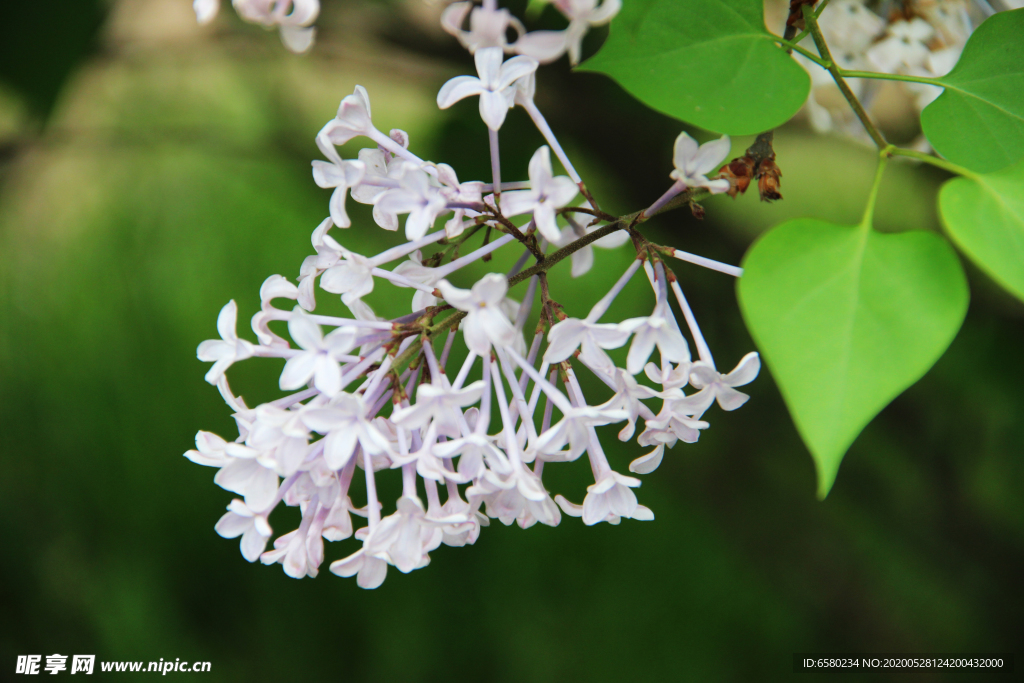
931,159
890,77
869,210
804,51
837,76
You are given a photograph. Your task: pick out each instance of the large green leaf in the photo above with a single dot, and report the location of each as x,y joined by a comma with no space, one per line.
847,318
985,217
708,62
978,120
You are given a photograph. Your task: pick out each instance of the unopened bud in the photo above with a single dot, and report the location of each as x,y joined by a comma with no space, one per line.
768,174
738,172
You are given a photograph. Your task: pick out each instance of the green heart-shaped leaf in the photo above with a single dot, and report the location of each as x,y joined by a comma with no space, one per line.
985,217
708,62
978,120
847,318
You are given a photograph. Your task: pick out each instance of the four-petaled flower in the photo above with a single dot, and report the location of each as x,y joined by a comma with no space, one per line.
416,196
547,193
694,162
340,176
714,385
254,529
485,322
495,86
226,350
320,356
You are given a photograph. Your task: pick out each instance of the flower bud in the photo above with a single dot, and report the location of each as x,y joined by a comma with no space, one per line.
768,174
738,172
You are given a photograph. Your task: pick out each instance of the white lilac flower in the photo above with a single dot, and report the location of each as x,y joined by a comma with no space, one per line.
495,85
459,523
311,268
547,193
518,497
227,350
716,386
485,323
320,357
213,451
292,17
693,163
574,429
292,552
583,259
254,529
404,538
488,26
629,397
905,48
352,120
251,480
205,10
352,278
340,176
646,464
414,270
416,196
608,500
369,571
375,398
345,424
658,329
470,192
849,26
440,405
591,338
280,438
582,14
673,423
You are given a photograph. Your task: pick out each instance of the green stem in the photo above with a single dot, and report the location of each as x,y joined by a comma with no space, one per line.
805,52
930,159
869,210
890,77
819,41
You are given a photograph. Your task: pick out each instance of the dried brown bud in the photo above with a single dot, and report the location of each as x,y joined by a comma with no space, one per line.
796,14
738,172
768,175
697,210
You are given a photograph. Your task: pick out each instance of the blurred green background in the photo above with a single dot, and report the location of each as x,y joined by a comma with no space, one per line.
151,170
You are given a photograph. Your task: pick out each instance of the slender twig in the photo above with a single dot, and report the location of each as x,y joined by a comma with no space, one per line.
514,230
790,45
819,41
546,262
591,212
930,159
891,77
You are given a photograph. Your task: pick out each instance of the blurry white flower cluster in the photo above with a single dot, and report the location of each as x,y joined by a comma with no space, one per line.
469,439
293,18
912,38
488,26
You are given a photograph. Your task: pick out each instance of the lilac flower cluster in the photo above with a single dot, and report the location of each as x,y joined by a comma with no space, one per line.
365,393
